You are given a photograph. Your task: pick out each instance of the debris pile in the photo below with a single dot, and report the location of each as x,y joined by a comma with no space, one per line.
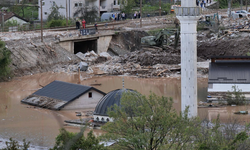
150,58
145,64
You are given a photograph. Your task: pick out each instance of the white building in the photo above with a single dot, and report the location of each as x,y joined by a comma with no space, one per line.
9,16
73,5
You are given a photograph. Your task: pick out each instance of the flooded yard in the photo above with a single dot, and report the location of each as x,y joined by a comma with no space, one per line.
40,126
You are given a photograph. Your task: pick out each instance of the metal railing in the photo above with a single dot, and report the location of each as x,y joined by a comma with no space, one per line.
188,11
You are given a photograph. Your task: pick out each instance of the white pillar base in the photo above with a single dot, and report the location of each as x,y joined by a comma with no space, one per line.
189,63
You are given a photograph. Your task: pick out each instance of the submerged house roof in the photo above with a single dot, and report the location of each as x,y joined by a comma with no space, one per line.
228,71
231,71
57,94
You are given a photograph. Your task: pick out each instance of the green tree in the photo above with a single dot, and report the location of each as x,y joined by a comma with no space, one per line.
25,9
5,61
148,123
222,136
55,14
235,96
127,6
89,14
74,141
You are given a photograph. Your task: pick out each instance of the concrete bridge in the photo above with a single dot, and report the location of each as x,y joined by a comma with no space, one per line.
96,42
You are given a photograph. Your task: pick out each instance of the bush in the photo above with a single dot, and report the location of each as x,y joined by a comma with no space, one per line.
58,23
55,23
14,145
72,141
235,96
5,61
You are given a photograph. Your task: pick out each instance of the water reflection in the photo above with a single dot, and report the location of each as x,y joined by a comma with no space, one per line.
40,126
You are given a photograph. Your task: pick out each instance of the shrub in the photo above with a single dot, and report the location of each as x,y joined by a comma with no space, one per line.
55,23
72,141
14,145
5,61
235,96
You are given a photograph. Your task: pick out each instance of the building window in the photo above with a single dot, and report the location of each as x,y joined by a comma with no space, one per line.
90,94
54,4
87,3
114,2
45,13
43,3
76,4
80,4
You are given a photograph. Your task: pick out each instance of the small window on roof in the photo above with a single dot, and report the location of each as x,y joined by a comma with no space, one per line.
107,119
76,4
80,4
90,94
97,118
45,13
43,3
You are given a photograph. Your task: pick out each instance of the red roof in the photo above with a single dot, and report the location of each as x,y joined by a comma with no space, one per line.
8,15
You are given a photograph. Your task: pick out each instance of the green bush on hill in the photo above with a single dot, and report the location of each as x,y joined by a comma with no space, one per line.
5,61
58,23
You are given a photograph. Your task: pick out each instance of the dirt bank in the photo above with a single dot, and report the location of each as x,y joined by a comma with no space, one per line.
237,46
31,56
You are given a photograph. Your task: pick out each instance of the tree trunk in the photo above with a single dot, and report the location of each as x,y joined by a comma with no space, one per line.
229,8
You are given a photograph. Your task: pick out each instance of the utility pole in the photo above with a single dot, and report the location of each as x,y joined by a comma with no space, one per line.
2,21
41,3
66,13
160,8
246,5
241,4
140,13
229,8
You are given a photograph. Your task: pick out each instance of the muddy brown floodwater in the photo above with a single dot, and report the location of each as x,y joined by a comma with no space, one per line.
40,126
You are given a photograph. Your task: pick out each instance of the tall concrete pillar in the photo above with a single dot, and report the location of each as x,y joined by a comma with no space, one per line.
188,14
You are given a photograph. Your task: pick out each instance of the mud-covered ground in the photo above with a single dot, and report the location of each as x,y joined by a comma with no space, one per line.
30,55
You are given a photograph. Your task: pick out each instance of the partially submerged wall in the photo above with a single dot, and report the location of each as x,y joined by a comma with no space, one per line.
103,44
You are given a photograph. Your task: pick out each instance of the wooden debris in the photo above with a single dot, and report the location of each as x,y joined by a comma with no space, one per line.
162,72
244,30
241,112
33,44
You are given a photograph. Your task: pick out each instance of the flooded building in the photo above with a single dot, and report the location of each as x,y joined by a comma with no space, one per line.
109,100
228,71
62,95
